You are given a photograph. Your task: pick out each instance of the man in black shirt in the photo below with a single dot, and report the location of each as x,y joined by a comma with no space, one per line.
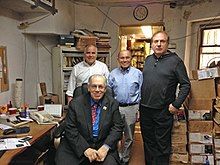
162,73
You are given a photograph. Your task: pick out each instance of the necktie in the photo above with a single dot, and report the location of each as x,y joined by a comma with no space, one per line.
94,107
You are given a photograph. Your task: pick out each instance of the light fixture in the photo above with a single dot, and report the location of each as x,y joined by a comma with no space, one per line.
147,30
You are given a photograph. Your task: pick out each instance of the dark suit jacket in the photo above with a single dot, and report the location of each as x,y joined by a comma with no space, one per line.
78,130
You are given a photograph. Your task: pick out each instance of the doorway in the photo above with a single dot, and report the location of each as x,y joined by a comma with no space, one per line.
137,40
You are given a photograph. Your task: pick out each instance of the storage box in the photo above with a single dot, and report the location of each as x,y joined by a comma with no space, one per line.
181,158
200,104
179,148
216,117
216,128
179,128
200,126
200,138
200,149
178,138
204,89
202,159
83,41
208,73
49,99
200,115
217,143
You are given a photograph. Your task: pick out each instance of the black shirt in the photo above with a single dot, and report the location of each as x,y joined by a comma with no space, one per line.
160,79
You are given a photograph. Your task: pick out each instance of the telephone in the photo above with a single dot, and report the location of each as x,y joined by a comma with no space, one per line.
42,117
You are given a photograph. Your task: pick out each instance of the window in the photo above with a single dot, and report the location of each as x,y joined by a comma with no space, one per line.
210,46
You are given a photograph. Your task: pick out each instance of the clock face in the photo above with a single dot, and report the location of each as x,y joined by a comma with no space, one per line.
140,12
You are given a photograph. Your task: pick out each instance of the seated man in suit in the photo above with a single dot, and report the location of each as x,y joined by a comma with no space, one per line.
93,128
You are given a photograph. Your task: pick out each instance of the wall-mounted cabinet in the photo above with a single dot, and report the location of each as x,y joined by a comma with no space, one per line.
64,58
21,9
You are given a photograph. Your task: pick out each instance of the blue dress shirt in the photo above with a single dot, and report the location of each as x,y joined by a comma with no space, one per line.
126,84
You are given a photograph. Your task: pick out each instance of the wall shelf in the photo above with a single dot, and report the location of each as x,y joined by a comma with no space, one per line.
21,9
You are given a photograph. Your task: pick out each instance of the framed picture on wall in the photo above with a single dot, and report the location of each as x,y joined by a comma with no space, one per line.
4,83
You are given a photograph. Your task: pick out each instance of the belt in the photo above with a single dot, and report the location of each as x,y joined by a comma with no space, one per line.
126,104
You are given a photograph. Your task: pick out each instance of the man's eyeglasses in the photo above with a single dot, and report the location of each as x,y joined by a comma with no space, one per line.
159,41
99,87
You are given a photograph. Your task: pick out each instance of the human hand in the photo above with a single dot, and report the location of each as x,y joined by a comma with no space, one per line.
102,152
91,154
172,109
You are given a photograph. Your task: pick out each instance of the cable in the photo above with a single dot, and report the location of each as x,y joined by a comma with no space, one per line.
193,33
105,19
45,47
24,25
108,17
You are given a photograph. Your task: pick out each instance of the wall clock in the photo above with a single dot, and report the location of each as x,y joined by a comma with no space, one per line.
140,12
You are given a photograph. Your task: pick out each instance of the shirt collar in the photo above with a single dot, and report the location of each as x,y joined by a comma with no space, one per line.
86,64
125,70
163,55
92,102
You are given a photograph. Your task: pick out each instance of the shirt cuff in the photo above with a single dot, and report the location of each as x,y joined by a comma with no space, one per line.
106,146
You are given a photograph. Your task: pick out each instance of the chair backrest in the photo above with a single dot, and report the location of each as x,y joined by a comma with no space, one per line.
83,90
58,132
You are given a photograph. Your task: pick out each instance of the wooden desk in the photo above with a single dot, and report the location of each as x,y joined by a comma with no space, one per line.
36,131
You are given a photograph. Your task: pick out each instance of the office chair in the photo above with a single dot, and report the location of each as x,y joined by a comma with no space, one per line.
59,131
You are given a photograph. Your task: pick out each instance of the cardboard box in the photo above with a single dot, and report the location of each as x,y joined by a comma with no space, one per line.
216,128
217,143
52,98
200,149
83,41
181,158
179,148
204,89
200,126
199,114
218,89
202,159
216,117
217,102
179,128
208,73
200,104
200,138
178,138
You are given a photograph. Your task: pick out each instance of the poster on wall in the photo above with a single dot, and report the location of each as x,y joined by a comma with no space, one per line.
4,83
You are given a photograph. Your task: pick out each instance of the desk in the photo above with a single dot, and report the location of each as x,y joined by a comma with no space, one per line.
36,131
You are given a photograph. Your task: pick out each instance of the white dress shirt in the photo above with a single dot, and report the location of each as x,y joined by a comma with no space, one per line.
81,73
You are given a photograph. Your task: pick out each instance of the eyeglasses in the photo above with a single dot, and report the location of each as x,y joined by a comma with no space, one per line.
95,87
160,41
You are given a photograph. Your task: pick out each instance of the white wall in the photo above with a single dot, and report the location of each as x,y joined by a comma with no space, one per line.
200,15
13,40
29,50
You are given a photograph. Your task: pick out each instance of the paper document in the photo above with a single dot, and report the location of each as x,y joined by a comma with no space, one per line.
53,109
12,143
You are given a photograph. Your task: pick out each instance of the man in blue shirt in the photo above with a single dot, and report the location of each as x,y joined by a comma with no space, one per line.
126,82
93,128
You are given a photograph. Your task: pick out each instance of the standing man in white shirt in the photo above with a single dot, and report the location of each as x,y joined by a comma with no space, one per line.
83,70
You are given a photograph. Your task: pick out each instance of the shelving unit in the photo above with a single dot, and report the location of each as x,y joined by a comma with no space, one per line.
64,58
140,49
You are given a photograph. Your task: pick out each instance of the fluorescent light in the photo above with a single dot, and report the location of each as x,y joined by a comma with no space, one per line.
147,30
